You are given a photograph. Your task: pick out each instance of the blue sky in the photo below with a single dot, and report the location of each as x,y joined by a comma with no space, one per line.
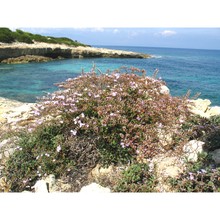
198,38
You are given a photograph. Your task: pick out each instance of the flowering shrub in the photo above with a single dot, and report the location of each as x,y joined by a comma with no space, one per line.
38,154
207,130
201,176
111,118
137,178
127,113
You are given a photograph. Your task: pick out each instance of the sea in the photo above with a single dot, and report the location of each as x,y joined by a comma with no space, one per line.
196,70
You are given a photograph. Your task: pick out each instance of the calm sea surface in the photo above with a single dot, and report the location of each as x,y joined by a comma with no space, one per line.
181,69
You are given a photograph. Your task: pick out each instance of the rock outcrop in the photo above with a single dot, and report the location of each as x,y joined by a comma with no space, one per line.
192,149
27,59
95,188
202,108
55,51
14,114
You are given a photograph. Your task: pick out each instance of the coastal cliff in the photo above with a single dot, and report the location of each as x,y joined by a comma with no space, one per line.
54,51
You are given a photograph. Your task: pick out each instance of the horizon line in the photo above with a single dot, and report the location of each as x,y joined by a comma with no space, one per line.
187,48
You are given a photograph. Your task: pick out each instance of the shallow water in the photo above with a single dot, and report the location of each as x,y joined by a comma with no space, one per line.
181,69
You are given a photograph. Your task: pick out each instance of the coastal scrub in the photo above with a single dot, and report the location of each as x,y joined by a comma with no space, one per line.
8,36
120,117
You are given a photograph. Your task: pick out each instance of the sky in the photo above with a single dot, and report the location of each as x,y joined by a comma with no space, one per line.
150,23
195,38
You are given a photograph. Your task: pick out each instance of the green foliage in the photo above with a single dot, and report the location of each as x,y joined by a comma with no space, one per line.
200,176
38,154
54,40
215,119
207,130
6,35
137,178
22,36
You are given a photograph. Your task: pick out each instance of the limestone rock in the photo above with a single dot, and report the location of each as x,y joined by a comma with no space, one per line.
51,180
15,50
56,185
94,188
164,90
166,138
18,113
212,111
4,185
2,120
60,186
216,156
3,143
26,59
200,107
40,186
100,172
9,152
168,166
192,148
201,104
164,166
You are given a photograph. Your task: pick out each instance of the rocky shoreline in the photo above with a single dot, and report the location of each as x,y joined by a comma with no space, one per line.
14,115
23,51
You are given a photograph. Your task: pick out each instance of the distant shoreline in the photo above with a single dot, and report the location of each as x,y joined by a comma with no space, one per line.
57,51
178,48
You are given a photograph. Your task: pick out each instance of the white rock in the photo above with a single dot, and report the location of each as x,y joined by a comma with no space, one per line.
192,148
40,186
94,188
168,166
213,111
3,143
165,137
201,104
9,152
164,90
99,171
216,156
51,180
200,107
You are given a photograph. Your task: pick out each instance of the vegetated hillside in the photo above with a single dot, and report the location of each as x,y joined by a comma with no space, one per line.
8,36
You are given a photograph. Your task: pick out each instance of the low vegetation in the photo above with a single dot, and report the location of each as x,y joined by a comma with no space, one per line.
137,178
8,36
200,176
118,118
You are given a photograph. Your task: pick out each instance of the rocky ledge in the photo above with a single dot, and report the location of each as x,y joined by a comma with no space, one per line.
27,59
54,51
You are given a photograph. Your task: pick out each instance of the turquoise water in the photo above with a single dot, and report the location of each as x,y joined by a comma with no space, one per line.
181,69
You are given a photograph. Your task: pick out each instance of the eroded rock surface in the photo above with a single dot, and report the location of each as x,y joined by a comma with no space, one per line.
55,51
202,108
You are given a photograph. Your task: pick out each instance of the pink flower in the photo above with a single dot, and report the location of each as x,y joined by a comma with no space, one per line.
122,144
114,93
73,132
